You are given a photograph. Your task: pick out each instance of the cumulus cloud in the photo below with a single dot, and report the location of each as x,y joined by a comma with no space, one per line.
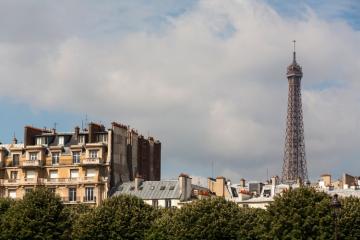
210,84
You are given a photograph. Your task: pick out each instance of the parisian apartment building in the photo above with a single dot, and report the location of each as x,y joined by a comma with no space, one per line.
81,166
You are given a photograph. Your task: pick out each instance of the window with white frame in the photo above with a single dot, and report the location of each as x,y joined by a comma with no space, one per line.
89,194
93,153
82,139
72,194
33,156
61,140
76,157
55,158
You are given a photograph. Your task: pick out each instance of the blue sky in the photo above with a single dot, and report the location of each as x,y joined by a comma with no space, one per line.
188,73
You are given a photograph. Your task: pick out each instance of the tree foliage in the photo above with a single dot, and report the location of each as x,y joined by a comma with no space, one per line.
213,218
349,222
37,216
301,213
121,217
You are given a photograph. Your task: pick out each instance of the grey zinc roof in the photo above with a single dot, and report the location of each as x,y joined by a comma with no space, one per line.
151,189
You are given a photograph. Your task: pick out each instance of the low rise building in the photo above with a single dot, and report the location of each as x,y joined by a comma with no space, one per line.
164,193
85,165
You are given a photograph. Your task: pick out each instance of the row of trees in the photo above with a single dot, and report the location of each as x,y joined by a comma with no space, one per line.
297,214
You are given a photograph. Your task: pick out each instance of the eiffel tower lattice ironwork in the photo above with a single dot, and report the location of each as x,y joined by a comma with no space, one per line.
294,166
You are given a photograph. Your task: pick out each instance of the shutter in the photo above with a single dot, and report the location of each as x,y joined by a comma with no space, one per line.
30,174
91,172
53,174
12,194
74,173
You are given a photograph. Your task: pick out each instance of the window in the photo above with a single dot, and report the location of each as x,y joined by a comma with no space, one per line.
33,156
93,153
72,194
102,138
28,190
30,174
155,203
82,139
41,140
61,140
168,203
132,188
89,194
172,188
55,158
76,157
13,175
74,173
91,172
162,188
12,193
52,190
15,161
53,174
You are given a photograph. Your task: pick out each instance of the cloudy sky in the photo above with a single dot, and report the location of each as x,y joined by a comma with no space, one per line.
207,77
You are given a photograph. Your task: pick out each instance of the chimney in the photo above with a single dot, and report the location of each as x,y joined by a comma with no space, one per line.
242,182
14,141
185,187
138,181
77,132
274,182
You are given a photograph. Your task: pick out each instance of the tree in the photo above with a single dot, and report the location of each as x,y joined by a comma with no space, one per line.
37,216
301,213
5,204
349,222
120,217
213,218
71,213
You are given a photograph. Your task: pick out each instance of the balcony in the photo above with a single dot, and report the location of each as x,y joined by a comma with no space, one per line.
59,181
32,181
11,181
32,163
92,161
67,200
89,200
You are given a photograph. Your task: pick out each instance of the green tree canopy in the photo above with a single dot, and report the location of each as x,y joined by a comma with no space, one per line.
349,222
301,213
120,217
37,216
213,218
5,204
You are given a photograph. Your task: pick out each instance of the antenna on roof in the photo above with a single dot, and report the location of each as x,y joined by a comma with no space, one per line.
86,119
55,124
212,168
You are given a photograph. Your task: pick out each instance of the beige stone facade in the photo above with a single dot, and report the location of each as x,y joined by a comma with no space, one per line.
81,166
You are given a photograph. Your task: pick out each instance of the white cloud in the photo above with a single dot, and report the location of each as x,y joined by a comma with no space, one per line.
210,85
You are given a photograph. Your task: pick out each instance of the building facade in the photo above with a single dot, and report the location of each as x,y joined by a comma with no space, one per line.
164,193
82,166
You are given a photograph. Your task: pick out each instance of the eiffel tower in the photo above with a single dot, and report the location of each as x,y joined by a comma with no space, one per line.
294,166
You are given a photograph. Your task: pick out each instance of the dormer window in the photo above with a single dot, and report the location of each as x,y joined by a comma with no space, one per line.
82,139
102,138
41,140
61,140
